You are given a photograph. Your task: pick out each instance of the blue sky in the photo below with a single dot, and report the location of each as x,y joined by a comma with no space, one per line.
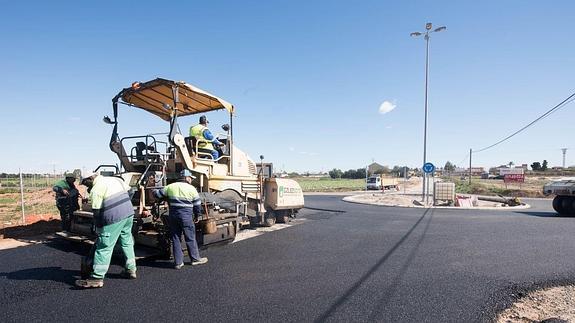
307,78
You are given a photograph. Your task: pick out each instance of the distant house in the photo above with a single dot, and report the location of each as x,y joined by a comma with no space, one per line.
374,167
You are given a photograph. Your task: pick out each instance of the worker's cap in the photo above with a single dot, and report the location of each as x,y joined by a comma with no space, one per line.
69,175
88,176
186,173
203,119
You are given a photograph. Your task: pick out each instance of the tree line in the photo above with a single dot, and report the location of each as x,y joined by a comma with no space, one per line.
360,172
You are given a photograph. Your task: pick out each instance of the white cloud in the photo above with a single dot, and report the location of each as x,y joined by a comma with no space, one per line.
386,107
291,148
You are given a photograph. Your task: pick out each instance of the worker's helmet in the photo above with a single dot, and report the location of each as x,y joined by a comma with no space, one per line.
204,120
69,175
186,173
89,175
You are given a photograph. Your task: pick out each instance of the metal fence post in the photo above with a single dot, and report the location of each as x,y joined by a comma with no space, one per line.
22,197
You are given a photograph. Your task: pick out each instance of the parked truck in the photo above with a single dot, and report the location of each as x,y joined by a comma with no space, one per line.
234,191
564,191
380,182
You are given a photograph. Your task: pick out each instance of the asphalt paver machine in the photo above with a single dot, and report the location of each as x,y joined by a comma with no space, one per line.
234,190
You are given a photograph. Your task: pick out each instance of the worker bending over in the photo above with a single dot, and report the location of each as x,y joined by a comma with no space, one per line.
113,219
66,199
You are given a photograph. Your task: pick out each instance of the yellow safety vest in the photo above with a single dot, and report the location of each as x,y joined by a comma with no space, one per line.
197,132
110,196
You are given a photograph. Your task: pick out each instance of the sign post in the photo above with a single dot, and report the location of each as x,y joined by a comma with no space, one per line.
427,169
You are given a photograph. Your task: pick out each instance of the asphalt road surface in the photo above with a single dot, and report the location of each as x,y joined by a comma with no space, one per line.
367,263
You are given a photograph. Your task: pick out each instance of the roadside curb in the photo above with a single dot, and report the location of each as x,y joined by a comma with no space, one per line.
354,199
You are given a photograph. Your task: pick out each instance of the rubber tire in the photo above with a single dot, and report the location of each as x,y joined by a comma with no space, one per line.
558,204
283,218
269,220
567,205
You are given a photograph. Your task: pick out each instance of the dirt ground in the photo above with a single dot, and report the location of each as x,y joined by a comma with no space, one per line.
555,304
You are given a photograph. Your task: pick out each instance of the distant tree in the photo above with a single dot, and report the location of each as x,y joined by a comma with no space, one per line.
510,164
449,167
403,170
335,173
360,173
544,165
350,173
293,174
536,166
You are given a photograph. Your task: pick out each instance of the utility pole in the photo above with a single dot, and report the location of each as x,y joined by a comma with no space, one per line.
470,153
564,152
366,169
22,197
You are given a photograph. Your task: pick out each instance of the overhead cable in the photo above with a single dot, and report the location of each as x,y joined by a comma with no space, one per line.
555,108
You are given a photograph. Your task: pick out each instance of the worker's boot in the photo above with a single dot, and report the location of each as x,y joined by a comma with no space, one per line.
129,274
200,261
90,283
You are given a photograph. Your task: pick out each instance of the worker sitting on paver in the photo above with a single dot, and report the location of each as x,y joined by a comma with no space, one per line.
184,201
113,218
205,140
66,199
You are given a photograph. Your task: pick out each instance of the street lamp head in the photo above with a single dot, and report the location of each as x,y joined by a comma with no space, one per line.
439,29
415,34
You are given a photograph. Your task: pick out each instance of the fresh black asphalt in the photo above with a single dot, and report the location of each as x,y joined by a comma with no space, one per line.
368,263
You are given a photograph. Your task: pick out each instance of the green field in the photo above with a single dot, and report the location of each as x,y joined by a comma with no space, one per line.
310,184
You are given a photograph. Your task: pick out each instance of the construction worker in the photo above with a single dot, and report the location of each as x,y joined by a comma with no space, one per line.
205,139
184,201
113,219
66,199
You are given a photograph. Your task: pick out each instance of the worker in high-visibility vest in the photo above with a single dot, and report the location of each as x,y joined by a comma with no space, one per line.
66,199
184,201
113,219
205,140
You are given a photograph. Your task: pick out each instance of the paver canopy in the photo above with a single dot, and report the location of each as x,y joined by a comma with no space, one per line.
153,96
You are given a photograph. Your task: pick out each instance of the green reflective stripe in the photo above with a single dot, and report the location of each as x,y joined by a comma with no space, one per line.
99,271
110,196
181,191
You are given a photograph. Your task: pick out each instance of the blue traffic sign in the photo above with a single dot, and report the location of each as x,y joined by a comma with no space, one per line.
428,168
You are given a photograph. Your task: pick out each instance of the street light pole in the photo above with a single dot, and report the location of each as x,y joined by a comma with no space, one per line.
428,31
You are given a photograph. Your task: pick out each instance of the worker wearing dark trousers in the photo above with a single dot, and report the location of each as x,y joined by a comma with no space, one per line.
184,201
66,199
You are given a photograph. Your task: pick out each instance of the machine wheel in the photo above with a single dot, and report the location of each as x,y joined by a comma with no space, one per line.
557,204
283,217
269,220
254,221
567,205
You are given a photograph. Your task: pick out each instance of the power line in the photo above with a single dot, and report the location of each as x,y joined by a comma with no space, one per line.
555,108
